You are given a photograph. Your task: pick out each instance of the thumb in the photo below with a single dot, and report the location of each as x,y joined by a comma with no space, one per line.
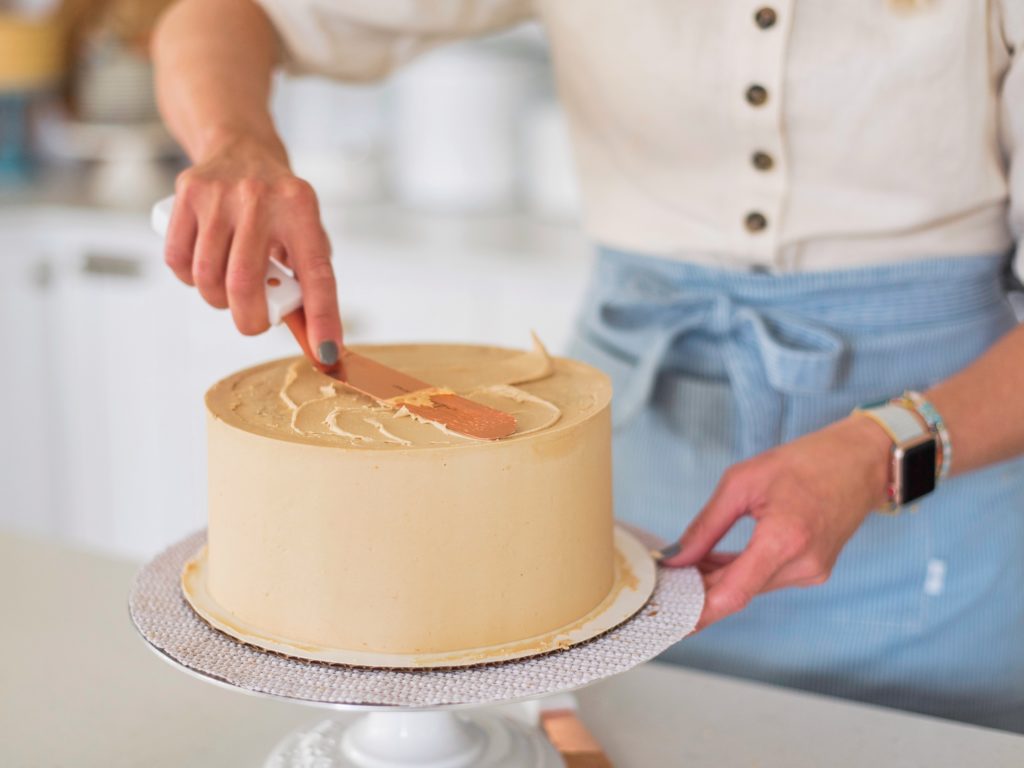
727,504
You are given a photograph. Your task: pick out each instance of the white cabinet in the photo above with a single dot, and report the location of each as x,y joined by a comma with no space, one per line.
488,280
27,384
106,358
106,442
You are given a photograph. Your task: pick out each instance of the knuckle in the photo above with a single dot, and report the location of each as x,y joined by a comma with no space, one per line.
321,273
732,476
323,243
216,189
321,319
820,578
245,283
252,190
215,229
699,524
295,189
813,569
206,273
762,468
185,184
192,188
732,601
176,258
798,535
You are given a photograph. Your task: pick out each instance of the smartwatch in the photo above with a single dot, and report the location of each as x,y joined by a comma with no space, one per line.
914,453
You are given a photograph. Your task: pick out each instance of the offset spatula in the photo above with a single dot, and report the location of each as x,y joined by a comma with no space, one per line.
385,385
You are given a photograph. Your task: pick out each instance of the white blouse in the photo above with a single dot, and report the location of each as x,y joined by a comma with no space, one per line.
790,135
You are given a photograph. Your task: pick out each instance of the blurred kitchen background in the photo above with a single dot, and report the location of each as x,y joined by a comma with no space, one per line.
448,193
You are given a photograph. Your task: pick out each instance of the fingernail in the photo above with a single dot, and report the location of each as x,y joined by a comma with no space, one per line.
327,352
667,553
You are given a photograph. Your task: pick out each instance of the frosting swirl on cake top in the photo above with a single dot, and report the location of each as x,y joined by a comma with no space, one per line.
289,399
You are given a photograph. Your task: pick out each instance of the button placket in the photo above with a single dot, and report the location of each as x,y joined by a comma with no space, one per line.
763,186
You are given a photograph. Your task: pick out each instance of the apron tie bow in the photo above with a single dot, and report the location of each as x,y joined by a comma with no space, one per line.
647,317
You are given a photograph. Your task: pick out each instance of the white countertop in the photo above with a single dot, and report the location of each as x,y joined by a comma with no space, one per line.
79,688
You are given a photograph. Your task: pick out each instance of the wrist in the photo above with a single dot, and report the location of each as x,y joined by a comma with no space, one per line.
242,141
873,449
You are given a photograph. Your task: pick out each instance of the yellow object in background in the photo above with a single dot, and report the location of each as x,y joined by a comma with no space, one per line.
31,52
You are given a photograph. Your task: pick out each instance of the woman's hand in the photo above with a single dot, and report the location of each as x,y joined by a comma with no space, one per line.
808,497
237,206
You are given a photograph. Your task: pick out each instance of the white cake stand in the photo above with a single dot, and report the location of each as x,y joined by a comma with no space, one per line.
423,718
369,736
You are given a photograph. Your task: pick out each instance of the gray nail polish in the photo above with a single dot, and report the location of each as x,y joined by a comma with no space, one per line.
669,552
327,352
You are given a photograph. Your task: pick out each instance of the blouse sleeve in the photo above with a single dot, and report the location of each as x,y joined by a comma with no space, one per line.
364,40
1013,121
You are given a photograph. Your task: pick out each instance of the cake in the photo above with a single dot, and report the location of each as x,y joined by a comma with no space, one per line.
339,523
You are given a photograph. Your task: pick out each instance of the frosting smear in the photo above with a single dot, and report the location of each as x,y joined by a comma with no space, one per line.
291,399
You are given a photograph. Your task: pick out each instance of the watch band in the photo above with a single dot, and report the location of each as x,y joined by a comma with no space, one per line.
900,424
936,425
912,443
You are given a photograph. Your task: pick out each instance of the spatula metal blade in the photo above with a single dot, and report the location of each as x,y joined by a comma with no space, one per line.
456,413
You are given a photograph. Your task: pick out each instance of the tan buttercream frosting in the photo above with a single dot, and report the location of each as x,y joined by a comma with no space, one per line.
294,401
342,523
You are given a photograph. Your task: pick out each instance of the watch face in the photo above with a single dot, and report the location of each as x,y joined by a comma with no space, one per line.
918,469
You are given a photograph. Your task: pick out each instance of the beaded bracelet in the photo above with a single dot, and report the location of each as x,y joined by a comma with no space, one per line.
927,411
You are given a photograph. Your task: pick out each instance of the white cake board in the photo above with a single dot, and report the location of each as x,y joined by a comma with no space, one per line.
409,724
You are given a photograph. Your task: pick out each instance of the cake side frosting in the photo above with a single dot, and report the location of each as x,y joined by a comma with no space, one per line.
340,523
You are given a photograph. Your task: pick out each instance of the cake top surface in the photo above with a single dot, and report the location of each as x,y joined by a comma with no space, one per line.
289,399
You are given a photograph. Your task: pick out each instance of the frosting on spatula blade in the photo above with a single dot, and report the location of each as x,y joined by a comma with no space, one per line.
396,389
466,417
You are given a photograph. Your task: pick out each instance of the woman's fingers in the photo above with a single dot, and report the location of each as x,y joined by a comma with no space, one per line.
231,210
732,587
805,510
246,271
713,562
181,242
309,255
210,258
728,503
320,299
807,570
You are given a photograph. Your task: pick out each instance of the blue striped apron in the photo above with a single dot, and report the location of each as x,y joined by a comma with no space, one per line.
924,611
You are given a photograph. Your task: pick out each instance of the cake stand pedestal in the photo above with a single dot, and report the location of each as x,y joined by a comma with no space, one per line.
406,718
379,736
424,739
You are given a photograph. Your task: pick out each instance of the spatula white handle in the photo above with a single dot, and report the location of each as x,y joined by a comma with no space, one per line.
284,295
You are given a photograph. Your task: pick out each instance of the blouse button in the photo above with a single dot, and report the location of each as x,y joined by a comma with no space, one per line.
757,95
755,221
762,161
766,17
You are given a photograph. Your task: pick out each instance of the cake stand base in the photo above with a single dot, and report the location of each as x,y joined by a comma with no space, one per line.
431,739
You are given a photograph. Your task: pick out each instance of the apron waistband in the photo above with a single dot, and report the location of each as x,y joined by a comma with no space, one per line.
778,335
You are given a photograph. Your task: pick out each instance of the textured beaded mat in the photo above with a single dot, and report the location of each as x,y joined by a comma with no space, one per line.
168,623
